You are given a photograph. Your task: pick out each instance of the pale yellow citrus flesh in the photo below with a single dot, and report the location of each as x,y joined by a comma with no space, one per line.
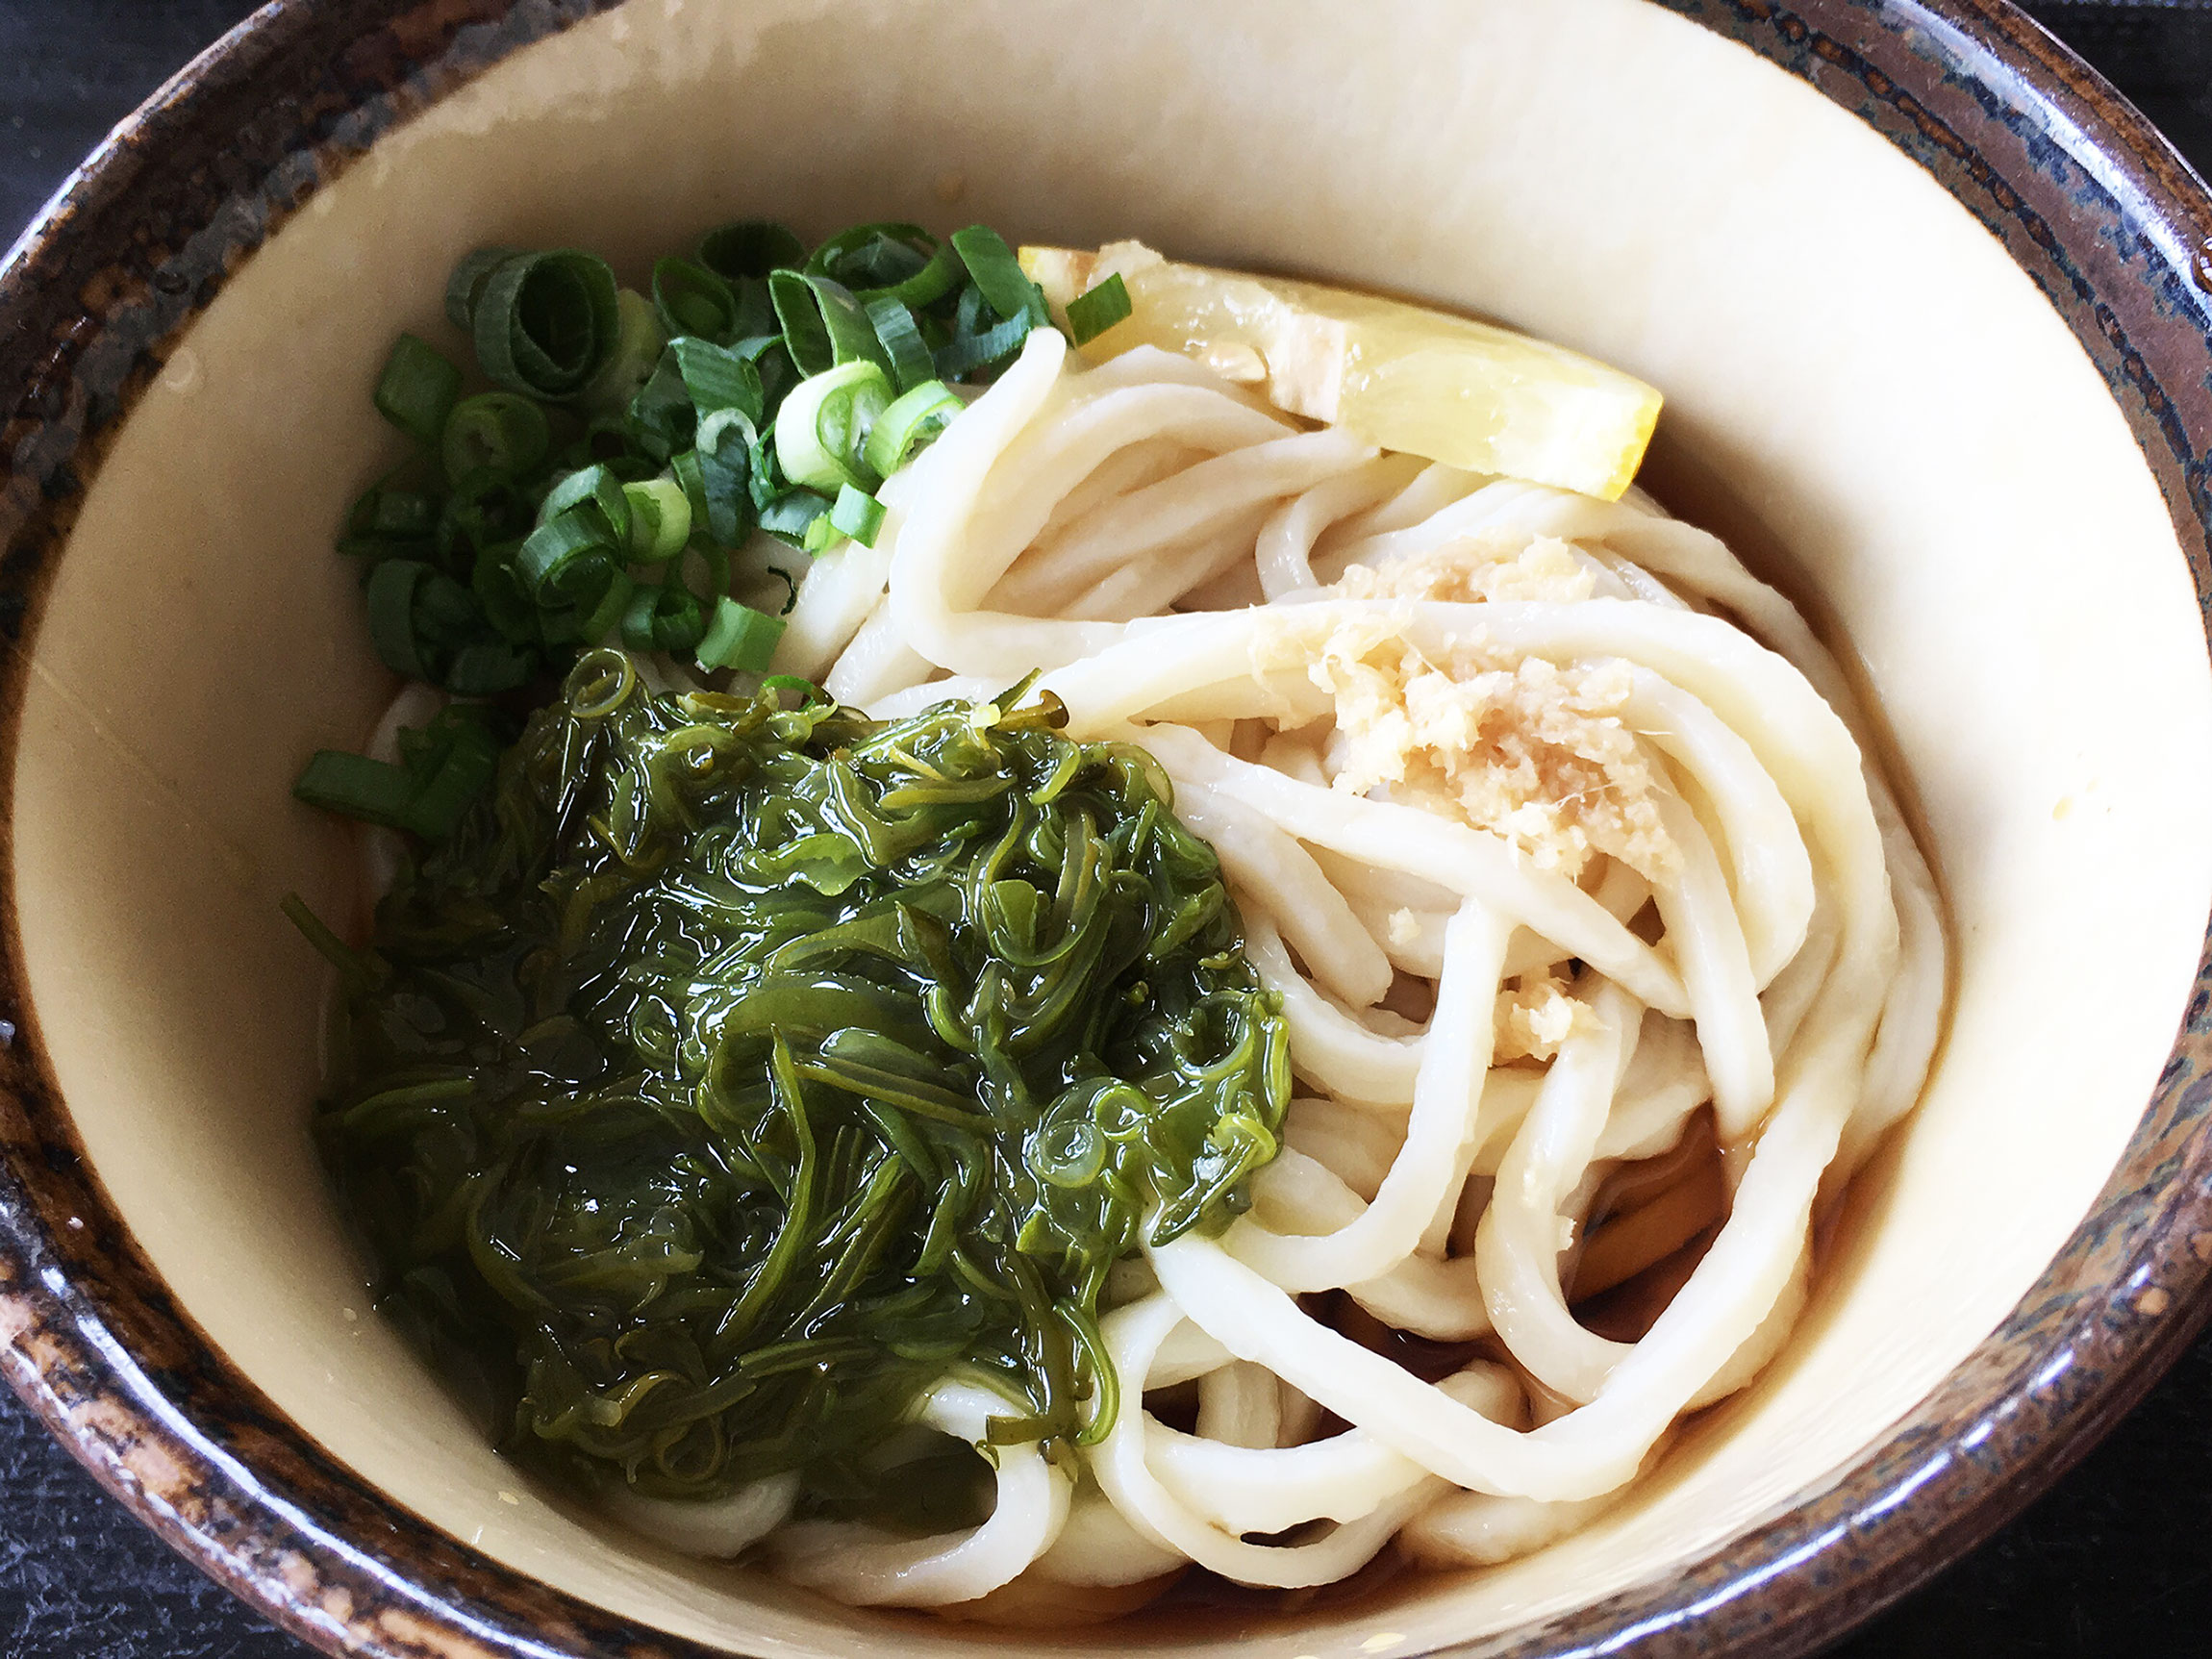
1401,376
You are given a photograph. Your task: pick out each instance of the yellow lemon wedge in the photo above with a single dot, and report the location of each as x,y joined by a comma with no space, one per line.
1400,376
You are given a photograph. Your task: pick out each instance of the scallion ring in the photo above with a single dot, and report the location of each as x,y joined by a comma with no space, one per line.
662,616
545,323
997,273
910,421
750,248
825,423
689,299
417,389
1091,313
499,432
638,343
659,520
739,637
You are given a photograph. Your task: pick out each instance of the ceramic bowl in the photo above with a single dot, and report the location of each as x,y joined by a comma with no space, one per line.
1924,299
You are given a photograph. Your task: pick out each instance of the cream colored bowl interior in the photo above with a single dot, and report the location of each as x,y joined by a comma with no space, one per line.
1874,382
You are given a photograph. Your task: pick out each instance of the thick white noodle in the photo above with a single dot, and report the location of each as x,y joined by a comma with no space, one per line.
870,1568
1163,548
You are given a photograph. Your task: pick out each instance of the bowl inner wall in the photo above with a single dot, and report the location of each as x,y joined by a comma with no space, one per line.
1884,394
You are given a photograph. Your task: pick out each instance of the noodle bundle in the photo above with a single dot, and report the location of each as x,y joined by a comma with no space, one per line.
1602,948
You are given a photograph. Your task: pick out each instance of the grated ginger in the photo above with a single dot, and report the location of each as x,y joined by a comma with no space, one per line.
1534,1017
1529,749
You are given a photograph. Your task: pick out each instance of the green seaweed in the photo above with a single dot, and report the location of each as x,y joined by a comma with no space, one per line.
733,1073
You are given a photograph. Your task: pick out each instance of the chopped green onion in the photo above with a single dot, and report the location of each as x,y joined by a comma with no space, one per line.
387,521
750,248
791,516
897,262
638,344
661,417
460,774
1091,313
824,424
824,324
374,792
717,379
417,389
858,514
598,485
499,592
873,256
739,637
487,668
997,273
559,559
659,520
663,617
902,343
691,299
911,420
799,317
485,507
607,615
822,535
497,432
979,342
723,460
466,286
545,323
392,589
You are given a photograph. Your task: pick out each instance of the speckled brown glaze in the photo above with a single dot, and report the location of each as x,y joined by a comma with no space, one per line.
2089,200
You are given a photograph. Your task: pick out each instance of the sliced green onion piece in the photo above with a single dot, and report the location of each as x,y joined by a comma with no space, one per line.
453,762
800,318
911,420
750,248
497,432
969,353
388,522
822,535
466,286
417,389
823,325
897,262
661,419
373,791
391,590
659,520
598,485
858,514
487,668
607,615
717,378
825,422
1093,312
927,286
498,589
791,515
545,323
638,344
556,557
997,273
663,617
901,341
739,637
691,299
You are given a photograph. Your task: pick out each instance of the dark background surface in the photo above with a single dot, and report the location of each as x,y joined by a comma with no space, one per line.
2117,1559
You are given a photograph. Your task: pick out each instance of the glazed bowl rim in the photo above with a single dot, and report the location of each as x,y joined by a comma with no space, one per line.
1932,1486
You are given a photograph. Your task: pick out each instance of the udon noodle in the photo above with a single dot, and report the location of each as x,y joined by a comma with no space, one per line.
1598,936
